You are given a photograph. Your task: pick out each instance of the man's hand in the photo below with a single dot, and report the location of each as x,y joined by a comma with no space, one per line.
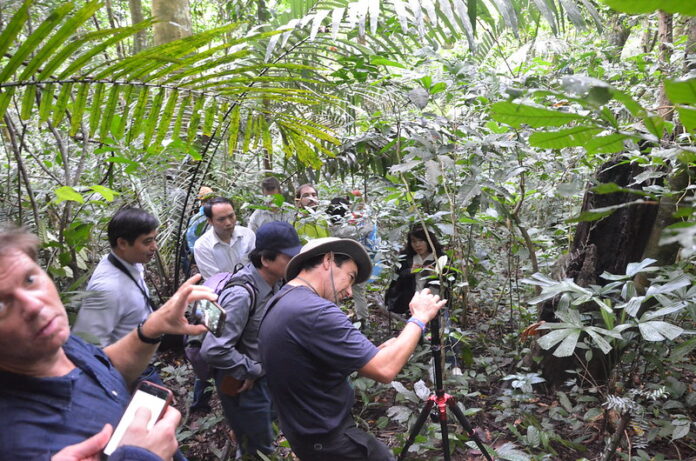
425,305
246,385
161,440
88,450
170,317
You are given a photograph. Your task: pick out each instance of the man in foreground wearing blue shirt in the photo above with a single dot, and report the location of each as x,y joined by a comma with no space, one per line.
57,390
309,348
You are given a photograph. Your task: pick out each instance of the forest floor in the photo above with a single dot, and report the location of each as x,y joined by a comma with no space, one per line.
206,436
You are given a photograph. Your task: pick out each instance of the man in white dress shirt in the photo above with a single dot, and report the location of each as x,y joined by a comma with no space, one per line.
225,244
117,297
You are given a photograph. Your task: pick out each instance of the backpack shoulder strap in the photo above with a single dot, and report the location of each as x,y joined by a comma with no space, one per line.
240,282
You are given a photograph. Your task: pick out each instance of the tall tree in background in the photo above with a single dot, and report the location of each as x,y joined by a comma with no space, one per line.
173,20
136,13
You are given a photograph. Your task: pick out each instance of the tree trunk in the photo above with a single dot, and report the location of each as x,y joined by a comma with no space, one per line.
605,245
173,20
136,13
690,59
618,33
665,38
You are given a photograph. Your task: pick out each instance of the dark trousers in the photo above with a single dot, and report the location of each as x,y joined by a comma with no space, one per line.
348,443
250,416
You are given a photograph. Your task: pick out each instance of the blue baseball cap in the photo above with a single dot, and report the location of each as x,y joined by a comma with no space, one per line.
278,236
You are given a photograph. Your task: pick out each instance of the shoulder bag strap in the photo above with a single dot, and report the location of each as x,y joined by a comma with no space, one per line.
119,265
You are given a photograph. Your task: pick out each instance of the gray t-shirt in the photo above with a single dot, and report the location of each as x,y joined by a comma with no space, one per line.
309,348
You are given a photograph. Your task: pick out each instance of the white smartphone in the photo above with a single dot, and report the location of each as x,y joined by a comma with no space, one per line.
149,395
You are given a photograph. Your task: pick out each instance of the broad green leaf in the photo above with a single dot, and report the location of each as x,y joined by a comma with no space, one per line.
604,307
681,430
599,213
656,330
533,438
518,114
609,144
319,16
380,61
687,8
609,318
681,91
67,193
687,115
655,125
564,401
105,192
576,136
598,20
631,104
610,188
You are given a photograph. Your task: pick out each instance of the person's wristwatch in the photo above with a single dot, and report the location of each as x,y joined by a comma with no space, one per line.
147,339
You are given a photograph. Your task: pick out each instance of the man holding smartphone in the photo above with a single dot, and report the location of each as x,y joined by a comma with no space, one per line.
234,355
57,389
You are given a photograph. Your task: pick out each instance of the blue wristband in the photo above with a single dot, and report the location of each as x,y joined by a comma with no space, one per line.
420,324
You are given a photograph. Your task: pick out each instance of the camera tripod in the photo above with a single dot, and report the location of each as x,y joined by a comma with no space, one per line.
443,401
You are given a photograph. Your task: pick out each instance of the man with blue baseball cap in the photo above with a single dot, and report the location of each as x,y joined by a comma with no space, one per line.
234,356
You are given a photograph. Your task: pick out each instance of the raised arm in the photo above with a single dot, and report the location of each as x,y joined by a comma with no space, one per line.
130,355
394,354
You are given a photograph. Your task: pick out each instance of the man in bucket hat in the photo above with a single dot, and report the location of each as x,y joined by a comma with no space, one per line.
309,348
234,356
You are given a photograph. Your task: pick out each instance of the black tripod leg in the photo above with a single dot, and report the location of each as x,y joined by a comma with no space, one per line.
467,427
445,434
417,427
